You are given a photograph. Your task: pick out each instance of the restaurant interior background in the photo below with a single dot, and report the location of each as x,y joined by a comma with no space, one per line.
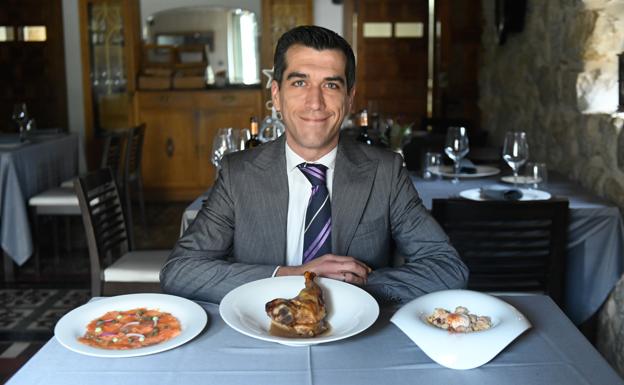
549,68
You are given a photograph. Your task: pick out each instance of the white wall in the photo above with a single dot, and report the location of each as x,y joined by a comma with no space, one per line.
328,15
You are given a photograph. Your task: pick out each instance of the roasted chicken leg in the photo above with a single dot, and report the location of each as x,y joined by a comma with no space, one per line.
303,315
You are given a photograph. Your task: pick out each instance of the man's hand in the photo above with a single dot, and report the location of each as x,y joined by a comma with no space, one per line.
346,269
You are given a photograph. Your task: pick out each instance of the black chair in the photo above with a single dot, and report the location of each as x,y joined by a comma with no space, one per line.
115,268
133,179
509,246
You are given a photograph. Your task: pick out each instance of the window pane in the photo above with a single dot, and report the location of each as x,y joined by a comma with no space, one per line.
34,33
6,33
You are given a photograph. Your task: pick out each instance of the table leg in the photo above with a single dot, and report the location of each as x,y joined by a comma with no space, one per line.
9,271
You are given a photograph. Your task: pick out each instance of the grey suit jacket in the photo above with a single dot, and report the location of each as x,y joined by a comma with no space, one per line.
240,233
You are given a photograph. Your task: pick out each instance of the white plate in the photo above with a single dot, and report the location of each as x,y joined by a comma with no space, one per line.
527,194
482,171
461,350
74,324
522,179
350,310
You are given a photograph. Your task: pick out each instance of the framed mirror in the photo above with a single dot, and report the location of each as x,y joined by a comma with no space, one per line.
229,36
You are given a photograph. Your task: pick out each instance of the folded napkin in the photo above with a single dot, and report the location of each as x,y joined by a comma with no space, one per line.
499,193
467,167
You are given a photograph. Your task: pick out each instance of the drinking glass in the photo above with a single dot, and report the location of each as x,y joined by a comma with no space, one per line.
456,147
221,145
537,174
515,151
20,117
240,138
433,161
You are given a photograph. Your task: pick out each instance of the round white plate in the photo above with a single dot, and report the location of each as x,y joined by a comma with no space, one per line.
350,310
527,194
461,350
522,179
74,324
482,171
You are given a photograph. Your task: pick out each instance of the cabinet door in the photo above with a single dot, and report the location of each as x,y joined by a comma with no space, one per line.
170,156
210,122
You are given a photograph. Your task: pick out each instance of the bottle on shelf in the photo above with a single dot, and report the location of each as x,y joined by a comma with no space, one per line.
363,137
253,128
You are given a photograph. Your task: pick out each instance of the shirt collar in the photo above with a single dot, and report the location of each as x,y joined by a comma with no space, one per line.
293,159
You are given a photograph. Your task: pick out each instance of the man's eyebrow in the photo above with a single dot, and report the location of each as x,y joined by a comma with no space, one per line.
298,75
339,79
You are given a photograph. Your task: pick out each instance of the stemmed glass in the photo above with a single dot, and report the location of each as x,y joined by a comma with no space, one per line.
20,117
221,145
515,151
456,147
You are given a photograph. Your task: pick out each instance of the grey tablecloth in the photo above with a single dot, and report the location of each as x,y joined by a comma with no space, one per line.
595,254
26,171
552,352
595,257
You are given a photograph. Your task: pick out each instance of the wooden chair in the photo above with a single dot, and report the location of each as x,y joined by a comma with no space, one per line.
509,246
115,268
133,179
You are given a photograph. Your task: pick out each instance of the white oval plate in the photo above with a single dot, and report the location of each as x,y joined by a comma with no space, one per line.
527,194
522,179
461,350
73,325
482,171
350,310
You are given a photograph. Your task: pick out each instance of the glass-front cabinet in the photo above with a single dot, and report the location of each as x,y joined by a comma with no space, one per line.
110,44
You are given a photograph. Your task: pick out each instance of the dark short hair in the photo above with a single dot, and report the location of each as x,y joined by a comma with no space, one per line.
315,37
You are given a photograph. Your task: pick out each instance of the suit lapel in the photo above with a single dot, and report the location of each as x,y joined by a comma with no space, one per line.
269,170
353,180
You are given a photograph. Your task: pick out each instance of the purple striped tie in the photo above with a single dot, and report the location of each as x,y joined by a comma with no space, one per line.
317,233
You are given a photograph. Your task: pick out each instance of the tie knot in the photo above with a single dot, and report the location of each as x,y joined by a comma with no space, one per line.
314,172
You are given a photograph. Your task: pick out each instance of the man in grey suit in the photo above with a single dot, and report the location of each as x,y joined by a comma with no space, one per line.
259,219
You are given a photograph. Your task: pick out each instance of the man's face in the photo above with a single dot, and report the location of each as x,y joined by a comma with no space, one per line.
313,99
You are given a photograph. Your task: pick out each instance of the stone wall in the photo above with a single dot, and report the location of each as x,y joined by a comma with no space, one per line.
557,80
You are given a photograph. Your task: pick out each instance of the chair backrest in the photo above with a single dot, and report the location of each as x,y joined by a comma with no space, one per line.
134,151
104,222
509,246
112,155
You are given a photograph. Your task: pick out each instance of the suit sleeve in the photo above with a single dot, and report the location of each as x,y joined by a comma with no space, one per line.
200,266
430,262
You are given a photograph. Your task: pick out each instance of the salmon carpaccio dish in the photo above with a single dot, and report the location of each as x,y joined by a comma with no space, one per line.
136,328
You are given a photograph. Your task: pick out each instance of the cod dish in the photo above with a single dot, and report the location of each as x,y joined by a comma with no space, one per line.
459,321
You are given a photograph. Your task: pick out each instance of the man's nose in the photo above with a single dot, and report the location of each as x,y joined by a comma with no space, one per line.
314,98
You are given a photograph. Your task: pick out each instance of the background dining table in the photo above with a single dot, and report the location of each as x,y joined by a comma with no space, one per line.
26,169
552,352
595,243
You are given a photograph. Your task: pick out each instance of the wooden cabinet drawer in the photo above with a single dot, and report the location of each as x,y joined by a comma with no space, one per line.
165,99
229,99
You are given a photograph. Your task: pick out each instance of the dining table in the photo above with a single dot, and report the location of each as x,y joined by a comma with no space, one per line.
552,351
595,236
27,168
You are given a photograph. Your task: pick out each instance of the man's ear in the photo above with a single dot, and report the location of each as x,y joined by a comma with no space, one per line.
351,97
275,95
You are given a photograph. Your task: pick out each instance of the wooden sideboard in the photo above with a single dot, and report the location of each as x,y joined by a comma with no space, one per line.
180,127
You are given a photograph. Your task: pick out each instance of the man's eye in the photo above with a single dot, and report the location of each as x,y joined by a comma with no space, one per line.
333,86
298,83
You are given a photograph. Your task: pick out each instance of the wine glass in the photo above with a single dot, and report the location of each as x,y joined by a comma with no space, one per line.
515,151
221,145
20,117
456,147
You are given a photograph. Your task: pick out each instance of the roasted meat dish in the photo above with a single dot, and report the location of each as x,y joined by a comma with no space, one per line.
302,316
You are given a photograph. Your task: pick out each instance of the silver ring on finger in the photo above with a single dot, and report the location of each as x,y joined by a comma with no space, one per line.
344,277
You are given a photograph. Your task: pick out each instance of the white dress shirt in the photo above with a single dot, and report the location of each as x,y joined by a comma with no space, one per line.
299,191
